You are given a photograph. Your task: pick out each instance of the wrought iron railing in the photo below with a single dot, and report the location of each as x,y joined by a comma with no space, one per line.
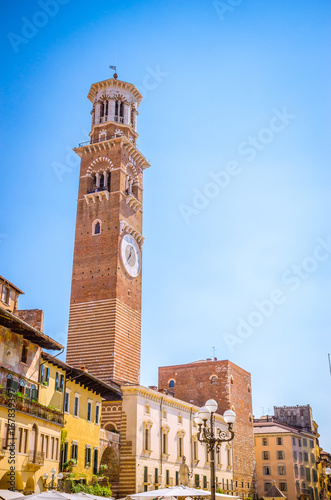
24,404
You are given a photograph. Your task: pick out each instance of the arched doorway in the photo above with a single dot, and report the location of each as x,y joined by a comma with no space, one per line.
13,479
39,486
109,458
29,487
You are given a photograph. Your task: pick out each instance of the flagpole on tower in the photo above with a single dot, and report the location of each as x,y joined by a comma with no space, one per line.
115,75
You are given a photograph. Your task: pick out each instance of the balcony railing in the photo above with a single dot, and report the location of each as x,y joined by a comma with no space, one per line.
36,457
25,405
118,119
96,189
113,437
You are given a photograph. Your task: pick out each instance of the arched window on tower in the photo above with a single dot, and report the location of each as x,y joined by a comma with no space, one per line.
213,380
172,384
96,227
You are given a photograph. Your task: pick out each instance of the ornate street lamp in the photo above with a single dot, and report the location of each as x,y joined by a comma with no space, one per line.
52,486
212,439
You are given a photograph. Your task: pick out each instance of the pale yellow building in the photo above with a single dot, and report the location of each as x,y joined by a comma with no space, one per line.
79,395
286,455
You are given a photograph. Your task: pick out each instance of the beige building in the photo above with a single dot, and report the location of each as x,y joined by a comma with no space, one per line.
287,455
157,432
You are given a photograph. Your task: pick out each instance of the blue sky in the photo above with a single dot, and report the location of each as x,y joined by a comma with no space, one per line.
241,96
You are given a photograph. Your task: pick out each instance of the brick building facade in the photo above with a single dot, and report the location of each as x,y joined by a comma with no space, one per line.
230,386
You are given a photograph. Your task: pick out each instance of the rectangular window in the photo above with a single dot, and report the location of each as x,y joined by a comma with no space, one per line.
56,451
295,455
229,457
76,406
311,443
266,470
25,440
280,455
6,295
265,455
89,411
164,443
145,474
97,413
57,381
46,446
196,480
296,470
20,439
66,402
87,456
177,477
52,448
293,441
204,482
167,477
24,355
42,443
44,375
279,441
74,451
146,440
307,474
299,443
264,441
305,456
300,456
312,458
281,470
156,476
304,442
95,460
267,486
195,450
180,446
283,486
65,452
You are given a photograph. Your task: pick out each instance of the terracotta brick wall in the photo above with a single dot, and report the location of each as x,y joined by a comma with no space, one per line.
232,389
34,317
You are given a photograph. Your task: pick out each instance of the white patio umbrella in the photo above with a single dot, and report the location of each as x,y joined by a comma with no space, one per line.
11,495
60,495
226,497
172,491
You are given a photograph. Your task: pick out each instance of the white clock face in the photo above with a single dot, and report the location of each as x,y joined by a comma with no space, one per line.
130,255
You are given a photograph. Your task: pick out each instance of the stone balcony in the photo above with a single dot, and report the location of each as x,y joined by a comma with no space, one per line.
111,437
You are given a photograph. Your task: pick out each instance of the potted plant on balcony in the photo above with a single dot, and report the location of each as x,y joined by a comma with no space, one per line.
67,466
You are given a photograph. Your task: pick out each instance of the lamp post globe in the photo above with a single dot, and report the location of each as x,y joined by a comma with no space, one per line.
212,405
229,417
204,413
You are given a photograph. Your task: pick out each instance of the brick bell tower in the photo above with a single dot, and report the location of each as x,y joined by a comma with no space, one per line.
105,305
